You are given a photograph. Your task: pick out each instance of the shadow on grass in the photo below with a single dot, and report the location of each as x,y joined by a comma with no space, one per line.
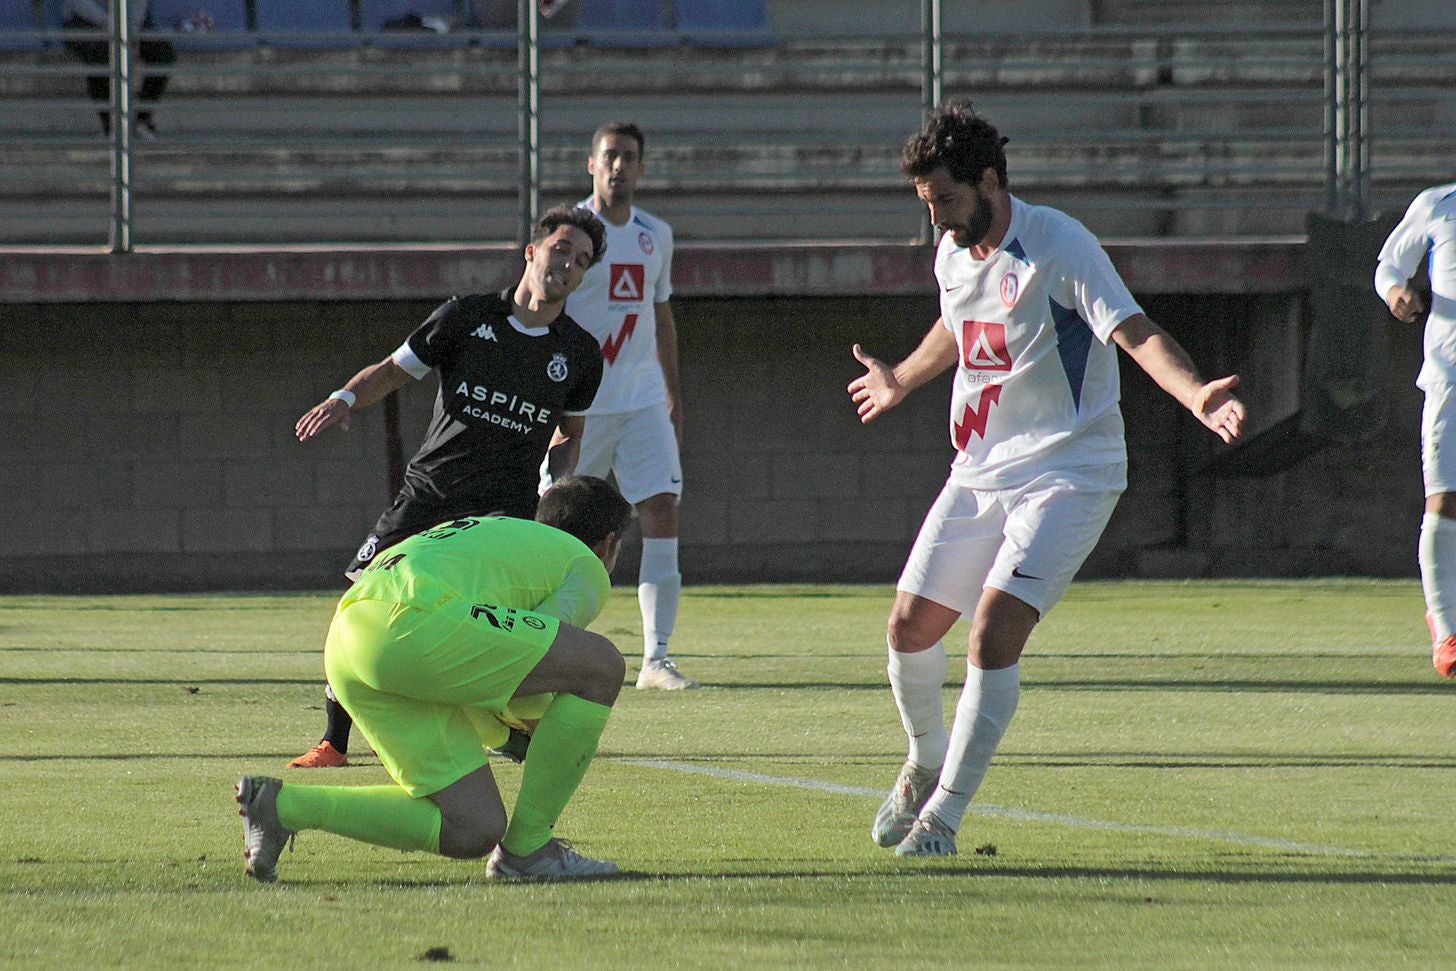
262,652
1286,686
187,682
1069,760
937,869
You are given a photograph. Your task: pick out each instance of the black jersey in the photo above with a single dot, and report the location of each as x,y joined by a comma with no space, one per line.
502,394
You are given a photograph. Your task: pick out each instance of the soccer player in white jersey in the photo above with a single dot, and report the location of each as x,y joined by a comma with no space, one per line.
1030,307
634,427
1429,226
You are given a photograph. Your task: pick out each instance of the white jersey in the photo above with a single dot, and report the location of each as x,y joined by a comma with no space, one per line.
615,305
1429,226
1036,387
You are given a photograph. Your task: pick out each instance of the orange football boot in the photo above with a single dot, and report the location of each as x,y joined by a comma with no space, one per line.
321,756
1443,656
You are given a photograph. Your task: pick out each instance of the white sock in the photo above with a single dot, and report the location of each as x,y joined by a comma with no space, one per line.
659,587
1438,572
985,709
916,681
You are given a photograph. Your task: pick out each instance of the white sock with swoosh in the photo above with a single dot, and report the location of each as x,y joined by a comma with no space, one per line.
985,709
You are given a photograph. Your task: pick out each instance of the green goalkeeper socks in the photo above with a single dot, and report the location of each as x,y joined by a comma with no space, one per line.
561,749
382,815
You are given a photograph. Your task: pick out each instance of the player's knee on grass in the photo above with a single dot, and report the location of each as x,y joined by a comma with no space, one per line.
472,816
470,838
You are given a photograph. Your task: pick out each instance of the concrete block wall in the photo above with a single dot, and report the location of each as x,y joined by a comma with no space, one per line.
150,446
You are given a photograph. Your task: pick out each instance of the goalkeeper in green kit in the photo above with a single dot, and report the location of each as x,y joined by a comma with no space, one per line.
457,631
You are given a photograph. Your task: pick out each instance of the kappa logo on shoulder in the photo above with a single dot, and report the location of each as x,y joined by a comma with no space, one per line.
485,332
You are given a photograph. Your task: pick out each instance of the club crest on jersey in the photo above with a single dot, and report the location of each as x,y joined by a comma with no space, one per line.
556,370
628,283
367,551
983,346
645,241
1010,289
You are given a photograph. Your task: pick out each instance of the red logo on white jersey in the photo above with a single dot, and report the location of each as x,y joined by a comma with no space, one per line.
645,241
973,420
628,283
1010,289
614,343
983,346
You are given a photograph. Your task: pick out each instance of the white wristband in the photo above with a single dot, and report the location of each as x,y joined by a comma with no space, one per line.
347,397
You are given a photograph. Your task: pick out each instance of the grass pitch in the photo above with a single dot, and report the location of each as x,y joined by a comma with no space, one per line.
1200,775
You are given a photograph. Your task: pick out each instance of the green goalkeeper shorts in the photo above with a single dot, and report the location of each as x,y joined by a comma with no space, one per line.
417,681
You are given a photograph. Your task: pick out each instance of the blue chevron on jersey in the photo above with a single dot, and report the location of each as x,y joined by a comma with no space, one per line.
1074,343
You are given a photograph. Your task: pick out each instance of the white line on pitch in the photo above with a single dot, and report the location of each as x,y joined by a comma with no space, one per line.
1056,819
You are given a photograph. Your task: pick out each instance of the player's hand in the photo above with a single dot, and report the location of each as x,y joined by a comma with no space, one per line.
1405,304
675,415
1217,408
325,414
877,390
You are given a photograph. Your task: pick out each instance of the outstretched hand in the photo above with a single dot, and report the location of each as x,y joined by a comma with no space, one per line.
1216,407
325,414
877,390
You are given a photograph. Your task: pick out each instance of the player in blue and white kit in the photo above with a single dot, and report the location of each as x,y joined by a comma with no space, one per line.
1030,308
635,422
1429,226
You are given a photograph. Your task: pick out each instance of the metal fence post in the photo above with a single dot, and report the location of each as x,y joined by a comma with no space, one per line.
1351,107
528,100
932,48
1333,141
121,110
1360,108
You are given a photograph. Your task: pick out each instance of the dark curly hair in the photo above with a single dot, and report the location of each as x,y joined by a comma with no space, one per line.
960,140
580,217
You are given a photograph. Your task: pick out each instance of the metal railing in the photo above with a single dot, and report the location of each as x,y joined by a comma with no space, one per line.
1191,130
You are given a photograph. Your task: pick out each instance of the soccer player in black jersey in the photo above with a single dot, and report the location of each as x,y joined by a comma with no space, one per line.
514,368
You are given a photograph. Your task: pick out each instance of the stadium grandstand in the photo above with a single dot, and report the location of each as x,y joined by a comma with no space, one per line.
321,175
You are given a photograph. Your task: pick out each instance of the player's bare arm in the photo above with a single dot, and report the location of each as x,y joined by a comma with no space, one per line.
882,387
1167,363
565,447
667,356
1405,304
375,383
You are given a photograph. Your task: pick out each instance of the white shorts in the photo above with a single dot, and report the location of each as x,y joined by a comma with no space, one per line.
1028,541
1438,448
640,447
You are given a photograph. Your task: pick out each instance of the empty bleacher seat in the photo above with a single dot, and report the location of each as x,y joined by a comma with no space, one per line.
277,20
722,21
626,22
17,26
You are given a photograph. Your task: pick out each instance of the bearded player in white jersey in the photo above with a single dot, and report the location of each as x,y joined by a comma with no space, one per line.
635,424
1030,307
1429,226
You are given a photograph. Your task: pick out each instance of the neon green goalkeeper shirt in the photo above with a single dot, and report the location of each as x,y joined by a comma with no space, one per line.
497,560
